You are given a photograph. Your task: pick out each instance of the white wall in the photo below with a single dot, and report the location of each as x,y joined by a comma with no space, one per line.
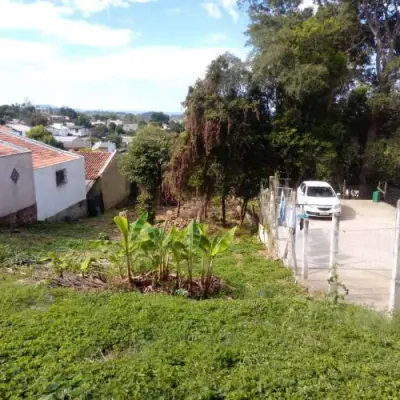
15,197
52,199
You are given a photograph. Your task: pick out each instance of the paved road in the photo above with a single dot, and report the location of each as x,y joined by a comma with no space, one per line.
365,257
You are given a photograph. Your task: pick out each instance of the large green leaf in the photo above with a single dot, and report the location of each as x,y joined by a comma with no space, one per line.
137,226
192,236
123,226
224,243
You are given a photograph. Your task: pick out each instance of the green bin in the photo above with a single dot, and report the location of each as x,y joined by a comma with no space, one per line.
376,196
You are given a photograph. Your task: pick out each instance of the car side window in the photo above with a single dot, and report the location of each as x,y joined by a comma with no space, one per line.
303,187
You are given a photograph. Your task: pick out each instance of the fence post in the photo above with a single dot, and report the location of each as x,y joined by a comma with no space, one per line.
277,203
333,253
292,231
304,272
394,303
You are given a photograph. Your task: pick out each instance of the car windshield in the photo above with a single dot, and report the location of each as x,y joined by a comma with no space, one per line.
320,191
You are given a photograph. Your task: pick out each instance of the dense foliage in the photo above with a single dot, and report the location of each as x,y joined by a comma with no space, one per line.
145,163
43,135
332,79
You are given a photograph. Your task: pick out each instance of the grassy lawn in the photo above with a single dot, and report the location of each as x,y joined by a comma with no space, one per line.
271,341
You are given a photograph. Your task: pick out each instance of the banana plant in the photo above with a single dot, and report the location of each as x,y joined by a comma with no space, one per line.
130,240
192,242
160,246
59,264
179,251
211,247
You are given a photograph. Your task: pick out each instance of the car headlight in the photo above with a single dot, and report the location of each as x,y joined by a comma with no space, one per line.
336,206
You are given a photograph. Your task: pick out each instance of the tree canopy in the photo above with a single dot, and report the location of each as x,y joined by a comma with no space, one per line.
145,163
43,135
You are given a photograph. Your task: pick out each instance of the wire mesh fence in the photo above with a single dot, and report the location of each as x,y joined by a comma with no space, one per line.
364,257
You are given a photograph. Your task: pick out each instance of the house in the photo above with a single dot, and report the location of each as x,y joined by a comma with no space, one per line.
58,177
58,129
106,187
117,122
20,129
73,143
67,129
17,189
109,147
130,127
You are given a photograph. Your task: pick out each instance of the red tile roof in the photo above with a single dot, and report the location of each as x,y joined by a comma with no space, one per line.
5,129
94,162
42,155
6,150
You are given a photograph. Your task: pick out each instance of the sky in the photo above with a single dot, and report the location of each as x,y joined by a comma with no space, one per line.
113,54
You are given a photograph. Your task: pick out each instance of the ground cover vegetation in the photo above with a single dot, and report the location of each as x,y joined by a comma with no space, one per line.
267,339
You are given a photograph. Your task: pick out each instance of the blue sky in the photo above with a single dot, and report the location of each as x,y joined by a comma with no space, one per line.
113,54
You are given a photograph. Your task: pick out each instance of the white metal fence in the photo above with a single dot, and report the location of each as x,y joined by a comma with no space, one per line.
365,261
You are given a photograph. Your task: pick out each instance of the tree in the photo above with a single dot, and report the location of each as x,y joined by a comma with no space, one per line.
113,137
99,131
36,119
119,130
112,126
175,126
225,150
145,163
68,112
159,118
43,135
83,120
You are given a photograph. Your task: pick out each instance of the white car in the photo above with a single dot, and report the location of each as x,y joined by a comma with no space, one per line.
318,198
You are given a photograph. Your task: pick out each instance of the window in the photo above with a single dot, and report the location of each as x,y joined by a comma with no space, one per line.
14,176
61,177
320,191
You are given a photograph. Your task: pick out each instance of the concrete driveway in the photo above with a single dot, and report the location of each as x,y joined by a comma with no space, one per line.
366,242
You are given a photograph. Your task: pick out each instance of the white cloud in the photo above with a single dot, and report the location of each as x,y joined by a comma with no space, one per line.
152,77
56,22
212,10
230,7
88,7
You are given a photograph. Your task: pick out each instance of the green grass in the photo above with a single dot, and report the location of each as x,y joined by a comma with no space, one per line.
271,341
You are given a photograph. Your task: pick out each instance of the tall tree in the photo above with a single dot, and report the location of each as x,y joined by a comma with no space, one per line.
68,112
159,118
145,163
226,124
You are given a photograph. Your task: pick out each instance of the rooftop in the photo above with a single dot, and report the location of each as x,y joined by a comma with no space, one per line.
42,155
317,183
7,149
95,161
20,127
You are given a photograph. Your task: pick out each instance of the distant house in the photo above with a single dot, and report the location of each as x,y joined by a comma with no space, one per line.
58,176
117,122
67,129
17,188
105,186
109,147
130,127
98,122
20,129
73,143
59,129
